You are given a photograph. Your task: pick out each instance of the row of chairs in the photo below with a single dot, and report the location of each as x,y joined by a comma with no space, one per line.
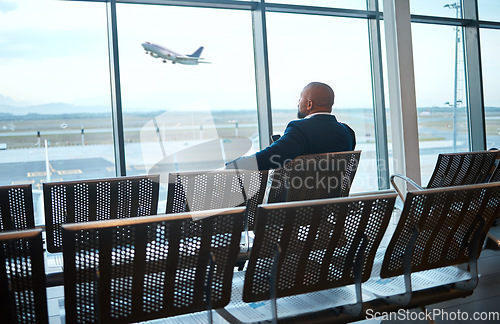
458,169
88,200
194,204
124,197
310,259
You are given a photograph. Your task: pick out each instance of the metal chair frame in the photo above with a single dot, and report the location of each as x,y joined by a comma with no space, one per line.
139,269
455,169
99,199
439,228
16,208
291,182
196,191
307,247
23,297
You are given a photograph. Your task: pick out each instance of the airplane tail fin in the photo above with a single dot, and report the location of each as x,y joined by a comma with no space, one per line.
197,53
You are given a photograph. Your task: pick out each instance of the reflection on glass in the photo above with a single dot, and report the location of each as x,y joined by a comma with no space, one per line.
490,47
180,117
345,4
440,91
439,8
489,10
330,50
55,118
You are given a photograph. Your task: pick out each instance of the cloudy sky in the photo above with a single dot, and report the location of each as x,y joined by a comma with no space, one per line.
56,51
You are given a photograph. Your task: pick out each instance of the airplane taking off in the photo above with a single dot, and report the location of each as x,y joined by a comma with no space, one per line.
157,51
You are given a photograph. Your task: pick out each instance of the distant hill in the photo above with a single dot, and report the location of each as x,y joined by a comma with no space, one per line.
51,109
8,101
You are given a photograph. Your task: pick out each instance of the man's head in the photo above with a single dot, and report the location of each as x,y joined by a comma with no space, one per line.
315,97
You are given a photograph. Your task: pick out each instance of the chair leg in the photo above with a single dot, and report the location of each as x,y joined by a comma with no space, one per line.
241,265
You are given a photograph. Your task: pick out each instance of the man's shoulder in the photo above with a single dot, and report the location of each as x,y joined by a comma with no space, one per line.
314,120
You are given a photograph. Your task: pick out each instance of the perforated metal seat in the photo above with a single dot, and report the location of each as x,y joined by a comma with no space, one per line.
195,191
101,199
16,208
456,169
137,269
492,240
23,297
438,228
323,244
314,176
495,177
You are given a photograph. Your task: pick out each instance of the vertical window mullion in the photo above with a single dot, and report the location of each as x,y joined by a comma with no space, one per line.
116,102
473,77
382,151
262,74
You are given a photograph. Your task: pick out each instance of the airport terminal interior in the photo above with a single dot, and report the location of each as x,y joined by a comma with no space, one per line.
130,109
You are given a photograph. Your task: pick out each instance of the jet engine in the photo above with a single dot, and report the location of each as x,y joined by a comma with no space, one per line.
171,56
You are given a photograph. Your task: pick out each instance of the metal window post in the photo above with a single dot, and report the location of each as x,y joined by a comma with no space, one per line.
382,151
474,78
404,124
264,115
116,101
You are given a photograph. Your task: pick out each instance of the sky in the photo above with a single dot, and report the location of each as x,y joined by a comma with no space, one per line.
61,55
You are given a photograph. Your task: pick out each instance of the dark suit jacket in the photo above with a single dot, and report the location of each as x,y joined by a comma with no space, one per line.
317,134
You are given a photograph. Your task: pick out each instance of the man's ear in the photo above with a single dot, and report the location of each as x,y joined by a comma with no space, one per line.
309,104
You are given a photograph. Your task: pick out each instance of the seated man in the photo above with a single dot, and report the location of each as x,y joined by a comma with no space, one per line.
316,131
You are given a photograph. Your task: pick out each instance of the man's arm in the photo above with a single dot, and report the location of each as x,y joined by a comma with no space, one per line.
353,135
288,147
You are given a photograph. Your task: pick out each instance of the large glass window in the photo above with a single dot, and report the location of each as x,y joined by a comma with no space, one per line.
55,116
179,115
440,8
345,4
330,50
489,10
440,91
490,47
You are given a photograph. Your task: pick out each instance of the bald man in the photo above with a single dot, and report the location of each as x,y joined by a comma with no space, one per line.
316,131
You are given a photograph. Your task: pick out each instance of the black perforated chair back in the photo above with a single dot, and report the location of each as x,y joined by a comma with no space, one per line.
23,297
16,208
137,269
101,199
447,219
319,241
457,169
207,190
314,176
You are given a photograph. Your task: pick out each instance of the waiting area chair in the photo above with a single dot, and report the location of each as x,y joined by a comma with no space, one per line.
456,169
439,229
16,208
309,256
317,260
23,297
207,190
101,199
493,241
314,176
143,268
